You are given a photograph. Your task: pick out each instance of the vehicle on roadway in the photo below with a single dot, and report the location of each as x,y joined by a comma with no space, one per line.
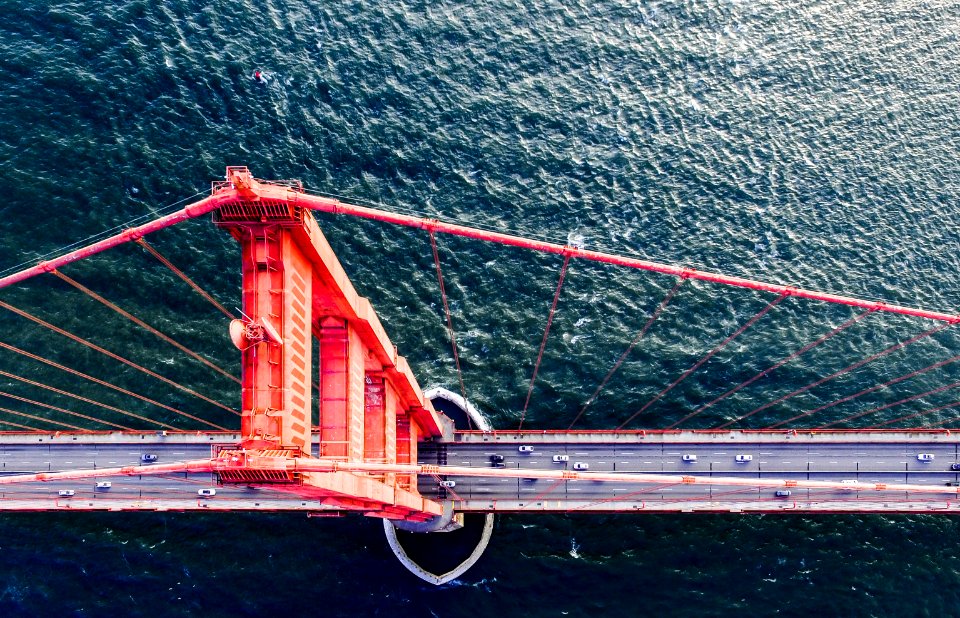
581,465
496,461
525,449
207,492
448,483
689,458
924,456
103,485
560,458
783,493
744,458
148,458
66,493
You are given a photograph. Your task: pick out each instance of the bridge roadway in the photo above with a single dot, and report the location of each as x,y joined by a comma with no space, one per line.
867,457
873,457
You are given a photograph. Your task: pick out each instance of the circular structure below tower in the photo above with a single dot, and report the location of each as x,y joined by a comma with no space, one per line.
442,549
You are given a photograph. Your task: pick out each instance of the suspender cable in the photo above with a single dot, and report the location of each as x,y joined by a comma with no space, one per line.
19,426
836,374
446,310
546,333
703,360
116,357
70,412
119,389
86,400
38,418
623,357
778,364
878,387
952,404
199,290
145,326
905,400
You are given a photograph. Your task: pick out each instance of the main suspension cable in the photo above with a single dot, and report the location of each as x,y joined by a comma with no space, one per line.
199,290
145,326
623,357
779,364
446,310
546,333
85,399
703,360
832,376
80,374
116,357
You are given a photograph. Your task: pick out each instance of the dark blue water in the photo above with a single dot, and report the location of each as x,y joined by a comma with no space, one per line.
813,143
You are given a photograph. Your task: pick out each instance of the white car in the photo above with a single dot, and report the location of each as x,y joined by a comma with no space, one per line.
207,492
581,465
925,457
560,458
66,493
448,483
525,449
104,485
690,458
744,458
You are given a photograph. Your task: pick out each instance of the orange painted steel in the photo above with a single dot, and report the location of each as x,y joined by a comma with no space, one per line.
197,209
334,206
371,408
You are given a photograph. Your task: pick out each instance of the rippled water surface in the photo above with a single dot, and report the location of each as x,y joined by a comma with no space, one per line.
813,144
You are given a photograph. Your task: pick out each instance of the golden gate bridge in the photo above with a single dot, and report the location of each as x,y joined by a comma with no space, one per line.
312,347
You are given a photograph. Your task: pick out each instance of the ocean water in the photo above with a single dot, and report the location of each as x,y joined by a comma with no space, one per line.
814,144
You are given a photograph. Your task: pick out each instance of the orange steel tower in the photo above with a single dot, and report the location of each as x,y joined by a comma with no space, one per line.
371,408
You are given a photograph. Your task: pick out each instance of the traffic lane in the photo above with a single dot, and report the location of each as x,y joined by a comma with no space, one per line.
73,457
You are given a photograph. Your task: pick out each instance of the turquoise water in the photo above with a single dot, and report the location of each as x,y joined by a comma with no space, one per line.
813,144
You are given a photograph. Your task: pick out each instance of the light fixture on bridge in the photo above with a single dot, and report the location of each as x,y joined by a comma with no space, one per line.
246,333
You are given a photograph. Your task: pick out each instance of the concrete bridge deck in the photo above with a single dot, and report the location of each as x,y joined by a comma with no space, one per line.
873,457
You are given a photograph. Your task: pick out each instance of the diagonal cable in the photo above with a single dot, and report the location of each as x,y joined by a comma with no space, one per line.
84,399
623,357
546,333
116,357
199,290
836,374
145,326
80,374
446,310
779,364
703,360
